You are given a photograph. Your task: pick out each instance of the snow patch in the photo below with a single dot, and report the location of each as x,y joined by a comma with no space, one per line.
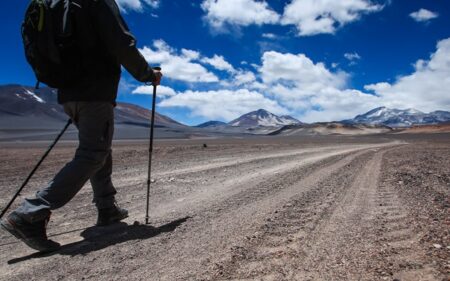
33,95
20,97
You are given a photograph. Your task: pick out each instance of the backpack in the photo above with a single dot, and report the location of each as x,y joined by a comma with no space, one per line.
48,34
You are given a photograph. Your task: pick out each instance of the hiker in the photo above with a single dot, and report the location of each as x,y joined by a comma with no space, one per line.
106,44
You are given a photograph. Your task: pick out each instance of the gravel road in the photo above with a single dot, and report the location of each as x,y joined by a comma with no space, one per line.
249,210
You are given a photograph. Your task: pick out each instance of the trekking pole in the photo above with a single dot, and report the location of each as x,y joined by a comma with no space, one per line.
36,167
150,149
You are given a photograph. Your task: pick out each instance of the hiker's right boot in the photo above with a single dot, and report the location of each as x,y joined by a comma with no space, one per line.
107,216
33,234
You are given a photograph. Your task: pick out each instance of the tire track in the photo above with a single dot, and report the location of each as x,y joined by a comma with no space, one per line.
220,228
299,232
400,249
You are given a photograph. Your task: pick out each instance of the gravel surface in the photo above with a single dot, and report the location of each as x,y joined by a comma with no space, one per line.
350,208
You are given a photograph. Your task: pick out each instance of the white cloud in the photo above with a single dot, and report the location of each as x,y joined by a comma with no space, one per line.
352,56
297,85
426,89
137,5
162,91
313,17
423,15
309,90
313,93
300,70
190,54
244,77
269,35
153,3
222,104
219,63
175,66
220,13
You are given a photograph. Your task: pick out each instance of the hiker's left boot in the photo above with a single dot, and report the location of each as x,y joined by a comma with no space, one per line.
33,234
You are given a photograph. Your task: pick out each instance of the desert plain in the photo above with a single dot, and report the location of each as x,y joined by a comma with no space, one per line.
371,207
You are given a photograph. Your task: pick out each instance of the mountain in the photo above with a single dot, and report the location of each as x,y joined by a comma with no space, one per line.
210,124
262,118
127,113
26,114
399,118
24,107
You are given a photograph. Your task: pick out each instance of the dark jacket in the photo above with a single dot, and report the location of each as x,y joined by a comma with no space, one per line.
106,44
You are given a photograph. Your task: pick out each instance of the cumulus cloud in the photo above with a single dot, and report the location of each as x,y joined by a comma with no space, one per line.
222,104
313,17
137,5
219,63
313,93
177,66
244,77
220,13
298,70
309,90
426,89
163,91
287,83
423,15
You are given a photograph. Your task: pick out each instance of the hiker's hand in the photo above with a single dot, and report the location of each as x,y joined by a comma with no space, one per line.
158,76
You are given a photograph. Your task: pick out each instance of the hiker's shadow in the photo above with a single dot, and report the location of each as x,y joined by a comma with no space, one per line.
97,238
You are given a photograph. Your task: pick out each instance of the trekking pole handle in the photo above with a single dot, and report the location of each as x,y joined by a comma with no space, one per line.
157,68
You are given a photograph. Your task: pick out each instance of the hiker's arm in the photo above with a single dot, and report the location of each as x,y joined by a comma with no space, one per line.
119,41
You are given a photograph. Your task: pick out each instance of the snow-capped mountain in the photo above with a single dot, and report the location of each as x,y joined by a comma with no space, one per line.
262,118
400,118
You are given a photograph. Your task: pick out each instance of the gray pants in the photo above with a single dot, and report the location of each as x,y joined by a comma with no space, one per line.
92,161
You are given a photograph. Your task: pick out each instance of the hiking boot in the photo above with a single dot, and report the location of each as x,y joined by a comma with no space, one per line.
111,215
32,234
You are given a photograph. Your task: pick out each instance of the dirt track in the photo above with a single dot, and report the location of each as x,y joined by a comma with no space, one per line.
246,210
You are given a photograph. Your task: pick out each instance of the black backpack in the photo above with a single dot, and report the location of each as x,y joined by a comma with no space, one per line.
48,34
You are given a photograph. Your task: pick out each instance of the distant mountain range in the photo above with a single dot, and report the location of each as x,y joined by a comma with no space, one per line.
24,110
397,118
382,116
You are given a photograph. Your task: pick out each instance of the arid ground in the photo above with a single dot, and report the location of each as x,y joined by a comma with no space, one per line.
305,208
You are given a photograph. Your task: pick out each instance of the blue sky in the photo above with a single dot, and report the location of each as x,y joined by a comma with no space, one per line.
315,60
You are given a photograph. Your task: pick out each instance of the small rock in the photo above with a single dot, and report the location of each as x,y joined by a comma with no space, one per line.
136,223
437,246
205,145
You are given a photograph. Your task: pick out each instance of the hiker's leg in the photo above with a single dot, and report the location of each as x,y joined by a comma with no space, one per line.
102,186
93,121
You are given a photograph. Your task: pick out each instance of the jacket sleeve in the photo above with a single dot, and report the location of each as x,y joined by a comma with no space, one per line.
119,41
